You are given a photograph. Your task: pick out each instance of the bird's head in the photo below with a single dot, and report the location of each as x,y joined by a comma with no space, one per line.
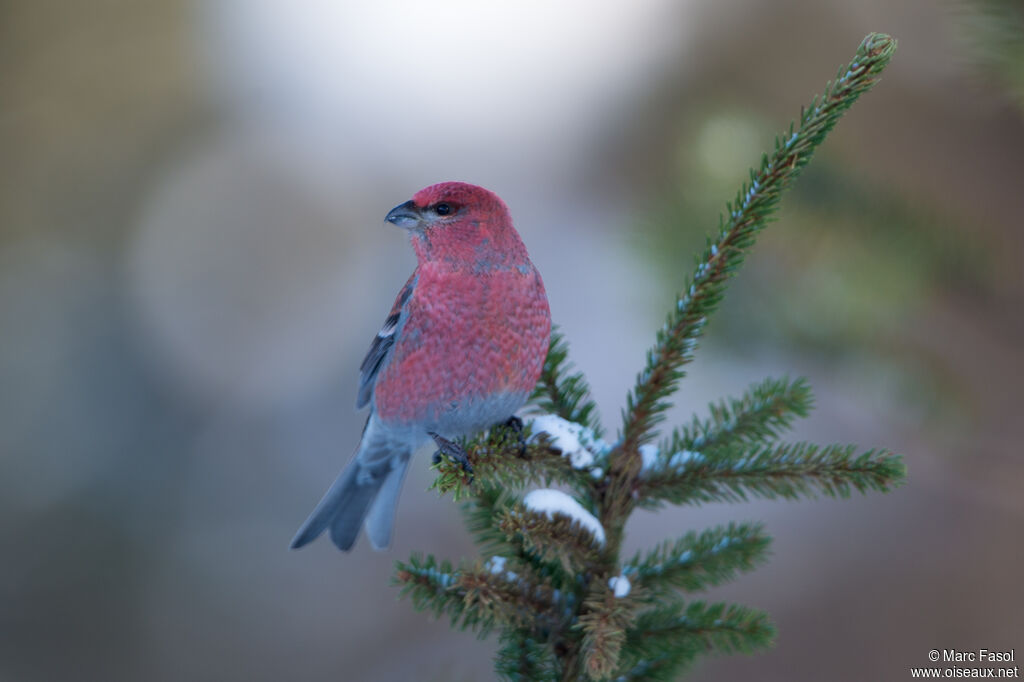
456,219
447,203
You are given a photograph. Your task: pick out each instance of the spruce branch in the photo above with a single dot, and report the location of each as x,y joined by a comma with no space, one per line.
785,471
764,411
676,633
481,514
698,561
433,586
482,598
746,216
489,454
562,393
605,621
522,658
663,667
556,537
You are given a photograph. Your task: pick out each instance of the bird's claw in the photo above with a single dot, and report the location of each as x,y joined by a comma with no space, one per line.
516,425
453,450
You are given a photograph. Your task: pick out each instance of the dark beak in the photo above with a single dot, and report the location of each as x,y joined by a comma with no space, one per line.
404,215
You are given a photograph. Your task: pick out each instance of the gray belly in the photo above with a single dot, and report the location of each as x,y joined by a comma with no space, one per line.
468,417
464,418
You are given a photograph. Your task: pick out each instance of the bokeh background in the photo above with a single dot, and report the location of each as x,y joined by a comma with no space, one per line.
193,262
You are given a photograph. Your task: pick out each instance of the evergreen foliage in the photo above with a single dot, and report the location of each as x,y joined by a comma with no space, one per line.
567,606
697,561
764,411
562,393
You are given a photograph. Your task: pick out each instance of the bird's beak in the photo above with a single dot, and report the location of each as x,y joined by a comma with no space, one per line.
405,215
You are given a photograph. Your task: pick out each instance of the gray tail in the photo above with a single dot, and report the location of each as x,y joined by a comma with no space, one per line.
359,490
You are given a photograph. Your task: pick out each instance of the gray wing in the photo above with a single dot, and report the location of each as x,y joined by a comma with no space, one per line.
381,345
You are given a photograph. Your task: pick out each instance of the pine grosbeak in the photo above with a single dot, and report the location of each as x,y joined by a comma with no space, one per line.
460,351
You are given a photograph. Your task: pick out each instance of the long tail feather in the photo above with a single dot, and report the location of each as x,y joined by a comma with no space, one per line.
381,519
342,509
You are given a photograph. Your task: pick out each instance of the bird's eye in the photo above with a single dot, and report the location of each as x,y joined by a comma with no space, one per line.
442,209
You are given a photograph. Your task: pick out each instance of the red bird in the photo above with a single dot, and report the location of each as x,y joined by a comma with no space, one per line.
460,351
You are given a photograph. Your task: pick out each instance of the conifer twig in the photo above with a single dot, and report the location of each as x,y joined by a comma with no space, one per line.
785,471
725,628
698,561
764,411
540,463
746,216
562,393
605,621
482,598
521,658
558,539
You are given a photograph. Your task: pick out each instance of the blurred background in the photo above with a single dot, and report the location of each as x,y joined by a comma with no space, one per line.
193,261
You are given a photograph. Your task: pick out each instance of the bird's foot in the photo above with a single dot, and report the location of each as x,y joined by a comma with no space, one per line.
516,425
453,450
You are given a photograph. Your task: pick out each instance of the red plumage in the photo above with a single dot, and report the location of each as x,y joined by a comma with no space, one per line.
478,322
461,350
